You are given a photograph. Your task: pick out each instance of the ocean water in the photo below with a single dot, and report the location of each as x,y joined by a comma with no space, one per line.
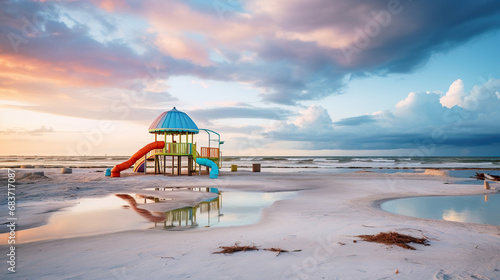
368,162
61,161
279,163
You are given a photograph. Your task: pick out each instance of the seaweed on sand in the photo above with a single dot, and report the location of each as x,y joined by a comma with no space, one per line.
394,238
279,250
237,248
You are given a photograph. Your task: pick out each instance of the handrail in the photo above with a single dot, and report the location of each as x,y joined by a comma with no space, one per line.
208,131
177,149
153,152
207,152
194,153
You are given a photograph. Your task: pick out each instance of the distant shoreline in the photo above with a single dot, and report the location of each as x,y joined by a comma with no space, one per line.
277,162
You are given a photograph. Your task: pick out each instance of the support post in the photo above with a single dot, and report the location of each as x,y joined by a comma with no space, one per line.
156,163
486,185
179,165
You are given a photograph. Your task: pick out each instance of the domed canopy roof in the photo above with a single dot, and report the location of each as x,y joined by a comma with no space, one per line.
173,121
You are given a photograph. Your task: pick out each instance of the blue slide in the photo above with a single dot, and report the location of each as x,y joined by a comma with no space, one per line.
214,169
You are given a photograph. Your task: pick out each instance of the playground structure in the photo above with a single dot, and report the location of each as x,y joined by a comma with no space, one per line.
178,131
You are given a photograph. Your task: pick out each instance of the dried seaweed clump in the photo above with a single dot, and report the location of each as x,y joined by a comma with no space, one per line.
279,250
394,238
237,248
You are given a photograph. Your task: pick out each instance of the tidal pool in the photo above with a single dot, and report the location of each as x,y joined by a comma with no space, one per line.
228,209
123,212
471,172
480,209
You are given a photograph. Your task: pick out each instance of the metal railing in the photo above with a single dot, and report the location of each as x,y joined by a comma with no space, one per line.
153,152
207,152
185,149
178,149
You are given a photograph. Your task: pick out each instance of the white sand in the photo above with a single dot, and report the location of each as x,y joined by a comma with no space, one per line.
329,211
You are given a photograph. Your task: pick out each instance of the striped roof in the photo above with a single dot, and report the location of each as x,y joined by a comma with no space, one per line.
173,121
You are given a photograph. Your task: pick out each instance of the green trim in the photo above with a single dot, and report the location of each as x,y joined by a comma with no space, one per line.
171,154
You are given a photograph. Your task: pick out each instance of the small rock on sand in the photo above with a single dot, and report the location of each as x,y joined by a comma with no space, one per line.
66,170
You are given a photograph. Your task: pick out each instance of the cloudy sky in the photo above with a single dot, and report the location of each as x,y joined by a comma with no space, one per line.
316,77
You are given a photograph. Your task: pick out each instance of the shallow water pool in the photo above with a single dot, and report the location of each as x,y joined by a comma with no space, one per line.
471,173
480,209
123,212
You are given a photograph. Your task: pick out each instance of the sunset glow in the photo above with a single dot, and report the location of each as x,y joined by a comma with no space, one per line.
408,78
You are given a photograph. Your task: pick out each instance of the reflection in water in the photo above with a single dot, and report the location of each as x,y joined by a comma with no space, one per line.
451,215
143,212
470,209
90,216
93,216
186,216
239,208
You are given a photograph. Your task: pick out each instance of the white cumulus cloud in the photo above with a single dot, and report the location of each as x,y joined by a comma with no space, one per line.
314,118
420,124
455,95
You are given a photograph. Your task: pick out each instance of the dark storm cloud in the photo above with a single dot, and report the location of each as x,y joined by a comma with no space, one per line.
353,121
376,37
241,112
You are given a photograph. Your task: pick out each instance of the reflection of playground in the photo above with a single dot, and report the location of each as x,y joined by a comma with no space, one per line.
179,218
188,216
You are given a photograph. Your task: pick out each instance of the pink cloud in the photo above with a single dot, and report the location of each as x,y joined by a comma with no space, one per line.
293,50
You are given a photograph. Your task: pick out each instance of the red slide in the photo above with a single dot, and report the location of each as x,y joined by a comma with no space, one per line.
115,172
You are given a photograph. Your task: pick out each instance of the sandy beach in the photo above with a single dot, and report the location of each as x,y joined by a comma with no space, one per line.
322,221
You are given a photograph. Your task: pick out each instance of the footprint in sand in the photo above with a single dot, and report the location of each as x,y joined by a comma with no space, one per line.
442,275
